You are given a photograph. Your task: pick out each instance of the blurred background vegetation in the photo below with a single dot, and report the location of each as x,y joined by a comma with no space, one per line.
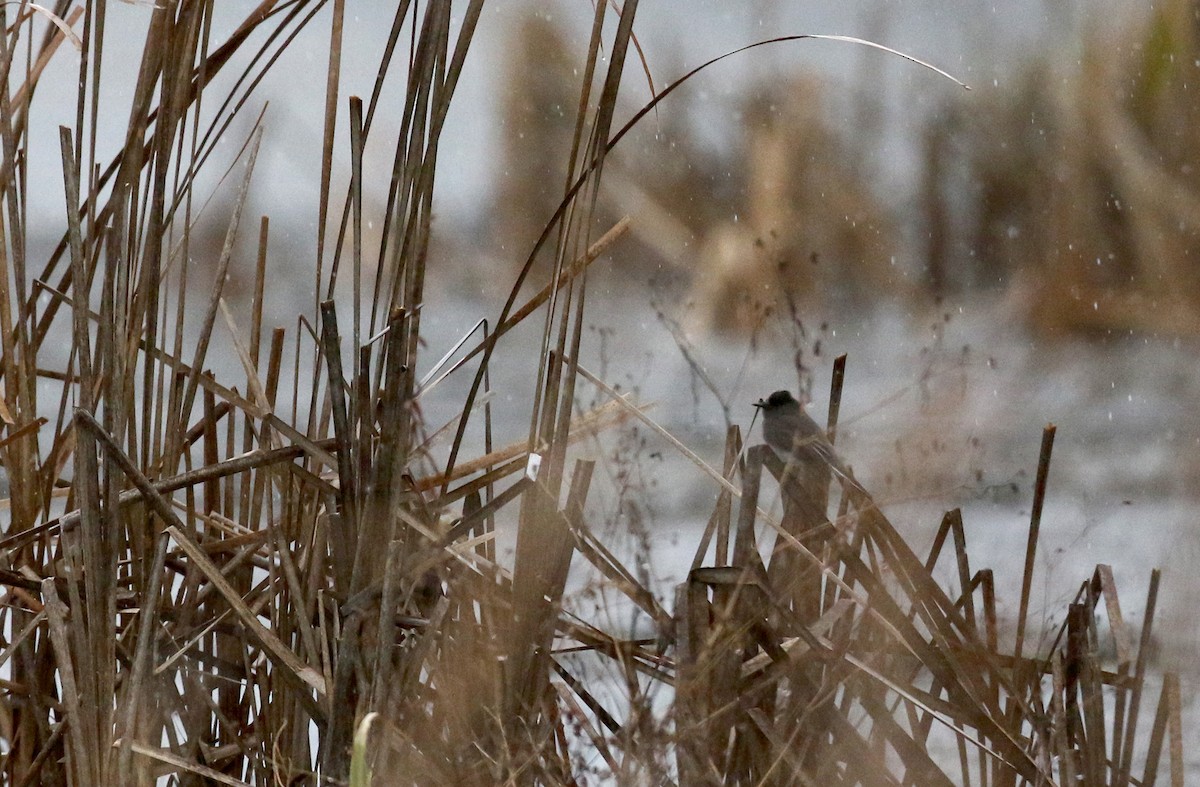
1066,189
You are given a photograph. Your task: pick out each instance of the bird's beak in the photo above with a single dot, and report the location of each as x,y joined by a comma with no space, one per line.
760,403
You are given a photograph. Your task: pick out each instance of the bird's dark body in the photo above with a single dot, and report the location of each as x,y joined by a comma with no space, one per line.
792,433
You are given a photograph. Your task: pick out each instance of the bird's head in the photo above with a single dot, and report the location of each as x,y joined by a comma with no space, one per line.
780,400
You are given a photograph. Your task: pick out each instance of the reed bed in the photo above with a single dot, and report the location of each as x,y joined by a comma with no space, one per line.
230,581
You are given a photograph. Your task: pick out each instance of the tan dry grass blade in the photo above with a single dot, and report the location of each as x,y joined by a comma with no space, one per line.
332,81
220,277
594,252
589,424
178,763
56,612
63,26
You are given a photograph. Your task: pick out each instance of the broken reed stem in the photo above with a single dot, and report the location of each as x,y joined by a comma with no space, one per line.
835,396
1035,524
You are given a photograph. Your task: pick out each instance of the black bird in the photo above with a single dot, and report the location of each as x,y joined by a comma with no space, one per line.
794,435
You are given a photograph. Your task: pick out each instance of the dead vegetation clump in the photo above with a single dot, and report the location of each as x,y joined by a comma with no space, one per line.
809,230
1074,189
266,578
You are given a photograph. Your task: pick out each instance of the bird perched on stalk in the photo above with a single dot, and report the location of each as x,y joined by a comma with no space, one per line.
796,437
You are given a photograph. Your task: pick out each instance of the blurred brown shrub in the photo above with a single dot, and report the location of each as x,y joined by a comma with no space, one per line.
810,229
1076,189
1071,191
781,213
